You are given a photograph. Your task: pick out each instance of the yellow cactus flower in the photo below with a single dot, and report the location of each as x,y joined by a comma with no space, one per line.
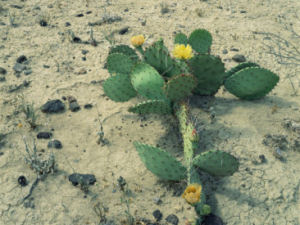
192,193
137,40
183,52
20,125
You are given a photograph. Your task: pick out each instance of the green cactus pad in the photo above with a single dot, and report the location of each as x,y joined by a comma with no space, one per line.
119,63
179,67
180,86
210,73
160,163
147,81
200,40
240,67
119,88
216,163
181,38
251,83
157,55
126,50
152,106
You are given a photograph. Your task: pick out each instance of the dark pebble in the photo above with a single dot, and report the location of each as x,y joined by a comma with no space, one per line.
28,71
224,51
239,58
79,15
67,24
3,71
18,67
54,144
76,40
46,66
123,30
243,11
262,158
85,179
212,219
84,52
2,78
173,219
43,23
88,106
53,106
234,50
74,107
21,59
22,181
157,215
44,135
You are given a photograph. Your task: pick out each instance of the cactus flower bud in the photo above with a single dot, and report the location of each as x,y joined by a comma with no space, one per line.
137,40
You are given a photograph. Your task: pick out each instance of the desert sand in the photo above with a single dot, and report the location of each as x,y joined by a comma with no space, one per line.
63,58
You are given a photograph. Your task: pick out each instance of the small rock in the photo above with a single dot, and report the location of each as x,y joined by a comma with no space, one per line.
82,179
44,135
224,51
53,106
18,67
157,215
28,71
74,107
67,24
84,52
21,59
22,181
157,200
88,106
243,11
239,58
3,71
212,219
123,30
262,158
2,78
43,23
234,50
173,219
54,144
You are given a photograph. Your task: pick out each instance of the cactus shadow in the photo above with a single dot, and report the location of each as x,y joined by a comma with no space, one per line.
213,186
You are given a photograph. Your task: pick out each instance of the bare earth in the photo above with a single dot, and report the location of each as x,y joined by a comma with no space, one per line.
260,193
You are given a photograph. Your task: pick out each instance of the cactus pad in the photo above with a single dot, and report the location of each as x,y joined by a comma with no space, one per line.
181,38
119,88
251,83
119,63
180,86
240,67
152,106
147,81
157,55
216,163
179,67
210,73
160,163
200,40
126,50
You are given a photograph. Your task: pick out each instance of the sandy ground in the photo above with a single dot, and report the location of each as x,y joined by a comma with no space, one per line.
260,193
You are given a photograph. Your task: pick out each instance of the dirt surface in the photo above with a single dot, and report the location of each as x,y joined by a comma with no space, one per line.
66,44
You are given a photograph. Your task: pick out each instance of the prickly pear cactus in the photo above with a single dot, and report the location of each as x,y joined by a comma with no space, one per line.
216,163
240,67
152,106
161,163
210,73
251,83
147,81
200,40
157,55
126,50
180,86
119,63
119,88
